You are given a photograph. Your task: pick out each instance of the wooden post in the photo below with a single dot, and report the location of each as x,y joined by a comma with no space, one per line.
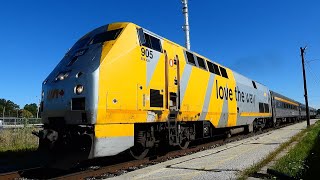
305,85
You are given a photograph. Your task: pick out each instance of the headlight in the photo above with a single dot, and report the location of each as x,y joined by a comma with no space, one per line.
62,75
78,89
78,74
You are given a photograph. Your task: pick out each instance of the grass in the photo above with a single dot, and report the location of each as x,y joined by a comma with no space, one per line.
296,163
18,149
17,140
256,167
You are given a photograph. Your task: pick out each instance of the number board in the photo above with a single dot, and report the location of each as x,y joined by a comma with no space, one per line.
146,54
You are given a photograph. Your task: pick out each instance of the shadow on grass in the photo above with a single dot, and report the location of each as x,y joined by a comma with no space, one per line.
312,162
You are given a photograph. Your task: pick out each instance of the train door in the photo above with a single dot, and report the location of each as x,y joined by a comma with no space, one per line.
172,93
273,109
299,113
172,83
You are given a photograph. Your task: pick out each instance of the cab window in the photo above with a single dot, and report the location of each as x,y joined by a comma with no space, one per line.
149,41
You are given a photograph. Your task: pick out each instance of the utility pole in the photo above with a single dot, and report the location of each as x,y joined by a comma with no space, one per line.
305,85
186,22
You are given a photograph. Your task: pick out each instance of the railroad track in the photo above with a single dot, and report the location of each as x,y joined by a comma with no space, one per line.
16,174
111,170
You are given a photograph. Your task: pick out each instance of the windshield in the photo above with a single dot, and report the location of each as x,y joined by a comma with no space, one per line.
95,38
106,36
81,43
80,49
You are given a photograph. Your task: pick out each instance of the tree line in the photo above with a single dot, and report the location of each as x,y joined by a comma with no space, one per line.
10,109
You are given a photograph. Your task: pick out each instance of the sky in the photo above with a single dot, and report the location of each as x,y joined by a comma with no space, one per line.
260,39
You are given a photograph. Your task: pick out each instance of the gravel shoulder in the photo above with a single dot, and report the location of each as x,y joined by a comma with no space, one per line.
224,162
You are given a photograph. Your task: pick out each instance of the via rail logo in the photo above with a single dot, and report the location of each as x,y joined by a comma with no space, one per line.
55,93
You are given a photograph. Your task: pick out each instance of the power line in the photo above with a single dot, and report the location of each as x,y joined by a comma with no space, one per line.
313,75
312,60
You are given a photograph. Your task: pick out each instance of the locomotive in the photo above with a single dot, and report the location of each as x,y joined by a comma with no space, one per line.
124,88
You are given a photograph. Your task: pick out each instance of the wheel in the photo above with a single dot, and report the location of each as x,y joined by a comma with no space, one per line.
138,152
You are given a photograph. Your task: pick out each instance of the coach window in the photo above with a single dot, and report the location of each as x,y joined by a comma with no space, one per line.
261,108
223,72
190,58
266,107
201,63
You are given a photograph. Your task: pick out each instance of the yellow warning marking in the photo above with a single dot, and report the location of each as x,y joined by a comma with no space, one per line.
286,101
113,130
254,114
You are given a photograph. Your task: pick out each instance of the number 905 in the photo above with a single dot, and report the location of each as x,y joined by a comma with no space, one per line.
146,52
